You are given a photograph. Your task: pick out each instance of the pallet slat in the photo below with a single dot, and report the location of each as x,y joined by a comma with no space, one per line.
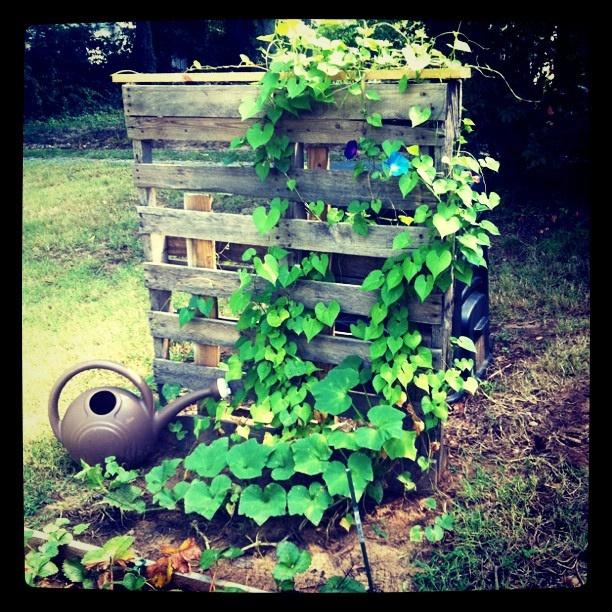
289,233
220,283
224,100
315,131
335,187
457,72
324,349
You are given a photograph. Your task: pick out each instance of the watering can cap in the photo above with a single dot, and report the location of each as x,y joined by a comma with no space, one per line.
224,390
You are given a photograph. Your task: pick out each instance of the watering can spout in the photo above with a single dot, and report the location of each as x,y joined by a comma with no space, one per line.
219,389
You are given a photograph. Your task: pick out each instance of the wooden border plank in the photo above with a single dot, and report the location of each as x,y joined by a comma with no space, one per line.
224,100
336,187
458,72
325,349
313,131
221,283
289,233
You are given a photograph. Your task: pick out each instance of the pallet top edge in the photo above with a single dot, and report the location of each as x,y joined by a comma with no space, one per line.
460,72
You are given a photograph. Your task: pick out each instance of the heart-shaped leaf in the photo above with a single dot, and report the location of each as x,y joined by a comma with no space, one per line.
412,340
374,280
208,461
320,262
336,479
249,108
402,446
310,454
267,269
248,459
258,135
409,268
394,344
331,393
311,327
438,261
401,241
423,286
327,314
375,119
204,499
290,561
265,221
316,208
378,313
260,504
408,182
446,226
311,502
419,114
281,462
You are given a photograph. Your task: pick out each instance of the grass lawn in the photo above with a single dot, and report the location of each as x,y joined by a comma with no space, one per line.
518,484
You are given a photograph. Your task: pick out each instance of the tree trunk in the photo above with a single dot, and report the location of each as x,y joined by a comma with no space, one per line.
144,53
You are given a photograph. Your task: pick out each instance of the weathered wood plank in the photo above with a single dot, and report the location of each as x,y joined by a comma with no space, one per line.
335,187
191,581
220,283
201,253
313,131
224,100
289,233
324,349
192,376
456,72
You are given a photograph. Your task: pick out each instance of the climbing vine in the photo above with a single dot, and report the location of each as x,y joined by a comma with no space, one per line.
319,430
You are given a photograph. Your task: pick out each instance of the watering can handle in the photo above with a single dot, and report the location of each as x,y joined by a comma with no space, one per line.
132,376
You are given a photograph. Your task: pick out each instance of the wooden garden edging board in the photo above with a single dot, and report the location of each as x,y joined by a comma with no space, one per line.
197,107
191,581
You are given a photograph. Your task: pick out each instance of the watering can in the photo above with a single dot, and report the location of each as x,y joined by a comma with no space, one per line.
109,421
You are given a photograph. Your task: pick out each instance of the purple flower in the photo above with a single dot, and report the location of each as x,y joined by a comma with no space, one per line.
351,149
396,164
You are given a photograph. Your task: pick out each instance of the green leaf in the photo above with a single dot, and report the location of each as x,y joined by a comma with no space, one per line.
249,108
209,558
375,491
446,226
394,276
233,552
331,393
320,262
403,84
185,315
490,163
262,169
268,269
470,385
311,327
327,314
401,241
371,94
311,502
466,343
416,533
402,447
264,221
343,584
73,570
378,348
408,182
281,462
430,503
248,459
434,533
205,305
368,438
204,499
375,119
460,45
291,184
117,548
258,135
421,213
260,504
374,280
208,461
291,561
275,318
132,582
423,285
336,479
445,521
427,174
438,261
394,344
159,475
310,454
419,114
406,479
342,439
391,146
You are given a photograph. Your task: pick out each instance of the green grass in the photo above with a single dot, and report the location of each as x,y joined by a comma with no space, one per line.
513,530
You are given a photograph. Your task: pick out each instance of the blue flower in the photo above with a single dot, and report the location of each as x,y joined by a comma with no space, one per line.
350,150
396,164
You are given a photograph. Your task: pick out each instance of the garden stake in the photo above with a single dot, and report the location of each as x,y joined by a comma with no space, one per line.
364,552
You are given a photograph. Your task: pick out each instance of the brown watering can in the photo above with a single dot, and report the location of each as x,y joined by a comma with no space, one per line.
109,421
